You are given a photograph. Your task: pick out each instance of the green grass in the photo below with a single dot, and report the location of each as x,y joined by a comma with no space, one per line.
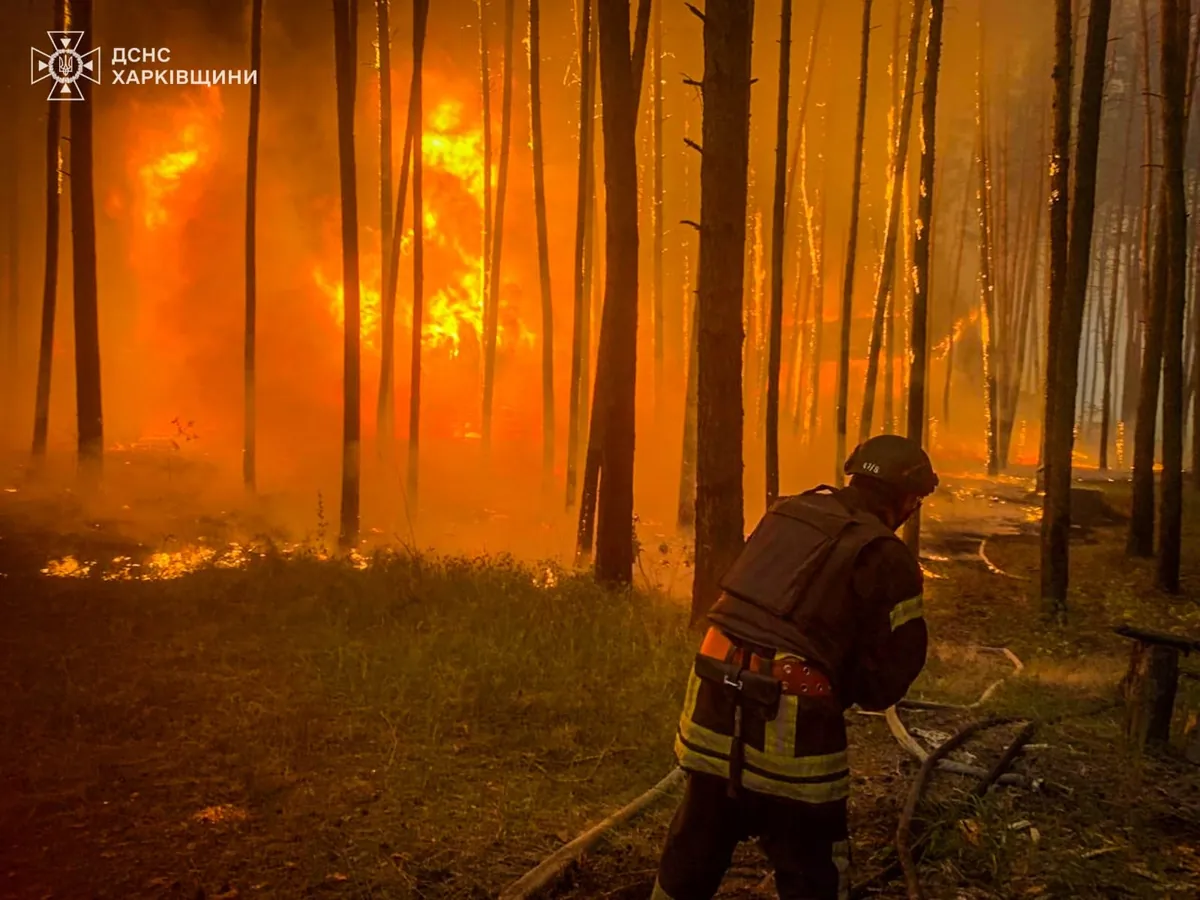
432,727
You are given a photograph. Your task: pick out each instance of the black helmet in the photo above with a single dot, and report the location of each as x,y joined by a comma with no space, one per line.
897,462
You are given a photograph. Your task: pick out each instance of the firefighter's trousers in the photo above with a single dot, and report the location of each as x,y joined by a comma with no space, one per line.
806,844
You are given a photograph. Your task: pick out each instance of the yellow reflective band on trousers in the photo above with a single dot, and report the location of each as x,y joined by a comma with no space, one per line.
906,611
659,893
775,770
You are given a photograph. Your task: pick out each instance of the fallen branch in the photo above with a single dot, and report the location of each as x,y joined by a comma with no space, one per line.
909,743
549,869
1002,764
904,830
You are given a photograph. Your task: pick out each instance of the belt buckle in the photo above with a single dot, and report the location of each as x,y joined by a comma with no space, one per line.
736,685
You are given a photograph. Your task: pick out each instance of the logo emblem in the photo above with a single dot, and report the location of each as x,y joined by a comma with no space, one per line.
65,66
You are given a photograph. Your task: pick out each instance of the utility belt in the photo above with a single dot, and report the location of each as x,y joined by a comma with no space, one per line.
755,681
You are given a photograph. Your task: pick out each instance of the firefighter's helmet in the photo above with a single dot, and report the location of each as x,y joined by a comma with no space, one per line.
896,461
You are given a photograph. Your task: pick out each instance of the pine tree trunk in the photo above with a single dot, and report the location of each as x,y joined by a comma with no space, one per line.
579,343
1110,339
685,519
816,351
249,412
420,19
802,114
917,424
775,338
887,266
491,314
88,402
1057,511
889,329
539,199
843,387
987,286
660,385
384,414
41,411
964,219
383,418
1175,21
728,30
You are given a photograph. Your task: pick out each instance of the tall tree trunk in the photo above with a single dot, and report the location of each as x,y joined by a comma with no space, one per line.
843,388
896,205
660,387
579,344
41,409
802,115
1110,339
384,416
889,331
1175,20
383,413
1056,516
778,212
344,28
917,430
685,519
420,19
249,412
728,28
964,218
816,349
1060,183
987,286
608,389
491,313
88,404
539,200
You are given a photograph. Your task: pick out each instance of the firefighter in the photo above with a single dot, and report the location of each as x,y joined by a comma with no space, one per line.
821,611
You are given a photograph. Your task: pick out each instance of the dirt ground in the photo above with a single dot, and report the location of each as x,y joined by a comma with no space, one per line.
260,721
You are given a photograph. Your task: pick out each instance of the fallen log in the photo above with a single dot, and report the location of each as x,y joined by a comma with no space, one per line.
909,743
1002,764
552,867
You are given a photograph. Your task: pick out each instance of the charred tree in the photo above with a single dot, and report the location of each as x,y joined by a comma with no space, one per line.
384,413
816,350
685,519
383,418
1060,183
491,313
41,408
921,248
987,286
88,404
778,224
344,29
843,387
889,330
657,212
1175,21
887,273
724,171
579,345
964,219
609,464
249,410
1056,516
420,19
539,201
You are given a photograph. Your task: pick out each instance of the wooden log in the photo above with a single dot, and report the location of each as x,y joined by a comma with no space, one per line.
1006,760
1149,689
551,868
1158,638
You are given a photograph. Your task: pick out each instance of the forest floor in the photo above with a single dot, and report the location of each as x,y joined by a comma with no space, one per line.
271,723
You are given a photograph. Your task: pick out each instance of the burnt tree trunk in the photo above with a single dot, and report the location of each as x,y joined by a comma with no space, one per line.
1149,688
88,404
964,219
41,407
728,27
843,387
539,200
611,435
579,345
778,212
383,410
249,396
1175,20
889,330
887,276
816,347
660,386
987,285
685,519
1056,516
1060,183
491,313
918,341
420,19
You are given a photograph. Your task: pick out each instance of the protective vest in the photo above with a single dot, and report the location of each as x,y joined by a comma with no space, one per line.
792,586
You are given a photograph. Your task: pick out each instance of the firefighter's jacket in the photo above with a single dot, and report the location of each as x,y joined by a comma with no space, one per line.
823,579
